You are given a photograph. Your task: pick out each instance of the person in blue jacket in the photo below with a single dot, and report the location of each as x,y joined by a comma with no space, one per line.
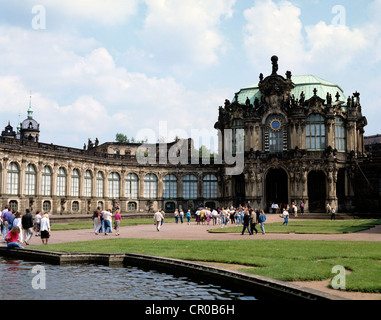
262,220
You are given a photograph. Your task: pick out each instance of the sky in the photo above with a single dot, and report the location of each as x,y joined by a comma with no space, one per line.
158,69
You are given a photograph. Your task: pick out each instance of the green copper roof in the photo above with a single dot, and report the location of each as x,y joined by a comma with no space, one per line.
305,84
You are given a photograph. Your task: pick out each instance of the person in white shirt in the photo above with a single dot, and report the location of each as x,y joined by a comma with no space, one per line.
107,217
157,218
37,223
285,217
45,228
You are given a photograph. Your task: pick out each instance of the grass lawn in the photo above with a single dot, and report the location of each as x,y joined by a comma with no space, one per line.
287,260
311,227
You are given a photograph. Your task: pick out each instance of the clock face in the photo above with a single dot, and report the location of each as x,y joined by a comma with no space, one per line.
276,125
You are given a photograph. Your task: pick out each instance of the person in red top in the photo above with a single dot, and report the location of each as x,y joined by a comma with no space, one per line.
117,220
12,238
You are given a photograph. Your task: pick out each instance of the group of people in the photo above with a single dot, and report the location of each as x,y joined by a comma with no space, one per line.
17,229
103,221
291,209
245,216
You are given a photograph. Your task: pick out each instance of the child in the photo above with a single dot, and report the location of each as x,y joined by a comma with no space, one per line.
13,238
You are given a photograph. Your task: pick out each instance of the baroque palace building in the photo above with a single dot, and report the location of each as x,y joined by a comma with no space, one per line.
302,140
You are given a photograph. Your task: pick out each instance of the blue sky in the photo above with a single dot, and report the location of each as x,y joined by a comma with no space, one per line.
96,68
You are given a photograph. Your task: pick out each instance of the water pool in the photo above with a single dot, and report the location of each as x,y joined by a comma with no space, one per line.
18,279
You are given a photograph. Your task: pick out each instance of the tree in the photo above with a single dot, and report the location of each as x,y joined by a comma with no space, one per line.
121,138
204,152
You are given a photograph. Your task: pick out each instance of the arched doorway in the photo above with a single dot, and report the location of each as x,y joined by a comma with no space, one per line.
276,187
340,190
239,190
317,192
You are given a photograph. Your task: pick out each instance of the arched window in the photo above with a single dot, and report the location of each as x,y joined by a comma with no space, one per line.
150,186
14,205
88,182
238,136
61,182
315,132
170,187
209,187
13,179
30,180
132,206
275,134
340,137
75,206
189,187
46,181
46,206
99,185
114,185
75,183
132,186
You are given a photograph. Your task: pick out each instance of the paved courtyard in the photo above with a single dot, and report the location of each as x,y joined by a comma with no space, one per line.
171,230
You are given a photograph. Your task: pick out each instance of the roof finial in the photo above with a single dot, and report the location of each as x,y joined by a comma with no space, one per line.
274,60
30,110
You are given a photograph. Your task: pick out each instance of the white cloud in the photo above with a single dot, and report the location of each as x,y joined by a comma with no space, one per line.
181,33
276,29
77,95
334,45
273,29
107,12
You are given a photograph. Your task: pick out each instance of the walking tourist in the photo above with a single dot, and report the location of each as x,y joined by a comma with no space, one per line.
163,214
233,214
328,208
13,238
285,216
157,218
198,216
295,208
253,221
37,221
202,216
333,214
97,220
207,214
17,223
218,218
107,218
177,216
27,226
10,219
45,228
246,223
301,207
223,217
181,216
4,227
262,220
188,216
117,220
